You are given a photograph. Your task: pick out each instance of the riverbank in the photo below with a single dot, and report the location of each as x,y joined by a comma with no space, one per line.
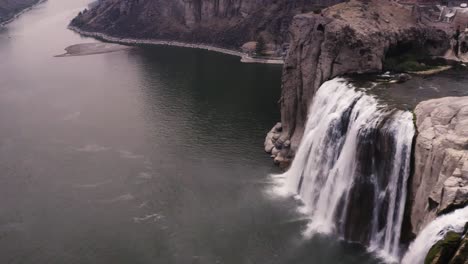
4,23
248,59
131,41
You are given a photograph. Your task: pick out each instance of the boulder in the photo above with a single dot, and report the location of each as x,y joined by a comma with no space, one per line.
275,151
249,47
272,137
403,77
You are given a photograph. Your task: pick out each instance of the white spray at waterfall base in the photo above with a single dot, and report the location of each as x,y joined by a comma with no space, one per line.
435,231
352,167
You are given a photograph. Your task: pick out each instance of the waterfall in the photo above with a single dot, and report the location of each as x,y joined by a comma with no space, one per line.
352,167
434,232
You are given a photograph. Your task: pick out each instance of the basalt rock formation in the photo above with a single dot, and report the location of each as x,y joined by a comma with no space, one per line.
223,23
440,180
10,8
351,37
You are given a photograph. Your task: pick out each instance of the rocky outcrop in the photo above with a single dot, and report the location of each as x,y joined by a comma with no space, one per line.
278,151
351,37
10,8
224,23
440,181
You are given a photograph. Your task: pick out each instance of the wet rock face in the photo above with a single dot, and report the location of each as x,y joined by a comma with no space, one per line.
452,249
461,255
440,180
351,37
225,23
443,251
9,8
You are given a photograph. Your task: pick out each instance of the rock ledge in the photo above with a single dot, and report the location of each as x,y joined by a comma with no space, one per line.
440,180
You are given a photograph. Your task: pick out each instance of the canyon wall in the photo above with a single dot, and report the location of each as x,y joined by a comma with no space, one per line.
351,37
224,23
10,8
440,179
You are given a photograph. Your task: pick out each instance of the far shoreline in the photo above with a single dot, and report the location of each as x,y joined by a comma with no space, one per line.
245,58
21,12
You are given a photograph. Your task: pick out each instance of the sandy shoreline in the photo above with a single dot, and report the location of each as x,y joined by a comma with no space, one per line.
84,49
130,41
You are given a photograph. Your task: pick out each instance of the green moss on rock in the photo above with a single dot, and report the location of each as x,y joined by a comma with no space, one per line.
443,251
461,256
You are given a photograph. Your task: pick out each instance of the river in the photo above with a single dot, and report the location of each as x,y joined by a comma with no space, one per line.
146,155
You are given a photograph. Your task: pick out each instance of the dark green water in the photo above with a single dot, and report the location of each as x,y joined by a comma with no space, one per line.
149,155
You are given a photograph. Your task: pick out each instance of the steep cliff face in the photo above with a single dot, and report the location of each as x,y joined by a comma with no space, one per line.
351,37
226,23
9,8
440,180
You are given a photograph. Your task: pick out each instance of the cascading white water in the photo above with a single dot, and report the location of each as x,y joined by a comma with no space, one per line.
435,231
352,167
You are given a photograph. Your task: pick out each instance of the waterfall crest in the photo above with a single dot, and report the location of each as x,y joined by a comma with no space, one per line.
352,167
433,232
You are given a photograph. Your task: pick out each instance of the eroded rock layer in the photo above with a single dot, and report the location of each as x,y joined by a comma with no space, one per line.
440,180
225,23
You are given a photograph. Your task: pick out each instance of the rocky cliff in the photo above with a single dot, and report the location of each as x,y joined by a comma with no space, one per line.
440,180
351,37
10,8
225,23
